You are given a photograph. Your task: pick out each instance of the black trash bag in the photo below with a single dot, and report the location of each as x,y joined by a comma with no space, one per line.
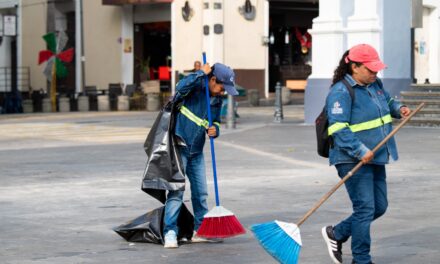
164,168
148,227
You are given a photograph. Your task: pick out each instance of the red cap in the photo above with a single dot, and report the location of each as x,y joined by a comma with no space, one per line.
366,55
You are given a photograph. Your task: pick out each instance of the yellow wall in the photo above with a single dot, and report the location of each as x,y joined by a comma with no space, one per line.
102,49
33,28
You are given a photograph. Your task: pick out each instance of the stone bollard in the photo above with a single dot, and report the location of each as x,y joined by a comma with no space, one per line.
103,103
253,97
83,103
64,104
153,102
123,103
285,95
230,117
47,105
27,106
278,105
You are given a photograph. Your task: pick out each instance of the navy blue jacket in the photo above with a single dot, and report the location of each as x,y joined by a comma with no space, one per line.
358,126
191,90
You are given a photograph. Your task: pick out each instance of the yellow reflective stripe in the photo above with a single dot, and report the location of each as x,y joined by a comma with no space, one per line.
361,126
217,123
191,116
372,123
336,127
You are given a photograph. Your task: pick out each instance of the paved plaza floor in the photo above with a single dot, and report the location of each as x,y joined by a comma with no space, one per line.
67,179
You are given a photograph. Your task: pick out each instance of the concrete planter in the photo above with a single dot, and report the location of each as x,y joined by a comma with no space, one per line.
103,103
123,104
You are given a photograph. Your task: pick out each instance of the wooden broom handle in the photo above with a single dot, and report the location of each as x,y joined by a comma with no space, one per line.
350,173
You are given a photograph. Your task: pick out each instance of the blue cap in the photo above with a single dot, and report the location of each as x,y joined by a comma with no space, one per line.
225,75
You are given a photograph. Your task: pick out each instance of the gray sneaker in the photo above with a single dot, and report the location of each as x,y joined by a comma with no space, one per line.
170,240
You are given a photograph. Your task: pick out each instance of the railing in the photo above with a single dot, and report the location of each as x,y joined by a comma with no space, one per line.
23,79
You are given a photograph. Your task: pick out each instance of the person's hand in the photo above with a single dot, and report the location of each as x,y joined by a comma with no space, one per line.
212,131
367,157
206,68
405,112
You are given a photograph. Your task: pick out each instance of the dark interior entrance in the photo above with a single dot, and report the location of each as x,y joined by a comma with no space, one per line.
66,85
152,51
290,45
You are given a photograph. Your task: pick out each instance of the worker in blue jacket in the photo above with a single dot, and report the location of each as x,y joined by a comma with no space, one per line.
357,124
191,129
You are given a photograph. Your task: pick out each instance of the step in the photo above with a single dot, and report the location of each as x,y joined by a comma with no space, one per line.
420,95
424,121
429,103
429,112
425,87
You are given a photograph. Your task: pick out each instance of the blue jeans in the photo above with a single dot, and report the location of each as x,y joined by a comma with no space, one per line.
194,165
367,189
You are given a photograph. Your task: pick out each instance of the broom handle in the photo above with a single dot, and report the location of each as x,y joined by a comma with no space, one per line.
211,139
350,173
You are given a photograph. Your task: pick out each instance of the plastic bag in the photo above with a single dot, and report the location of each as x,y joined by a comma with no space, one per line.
164,169
149,227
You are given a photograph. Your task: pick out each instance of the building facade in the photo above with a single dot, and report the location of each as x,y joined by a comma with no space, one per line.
295,42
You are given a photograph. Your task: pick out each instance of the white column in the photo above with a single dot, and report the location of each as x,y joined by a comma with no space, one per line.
78,48
363,26
434,33
327,48
127,36
213,43
327,37
266,53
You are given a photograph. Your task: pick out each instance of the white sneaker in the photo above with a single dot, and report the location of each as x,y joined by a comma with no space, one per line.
170,240
198,239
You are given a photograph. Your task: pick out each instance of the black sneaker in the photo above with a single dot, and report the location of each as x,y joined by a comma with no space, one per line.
334,246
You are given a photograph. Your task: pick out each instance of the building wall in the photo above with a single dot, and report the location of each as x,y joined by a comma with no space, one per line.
242,45
102,43
34,22
380,23
152,13
5,46
427,48
186,36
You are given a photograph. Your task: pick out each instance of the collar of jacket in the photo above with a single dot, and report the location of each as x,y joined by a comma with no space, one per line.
353,83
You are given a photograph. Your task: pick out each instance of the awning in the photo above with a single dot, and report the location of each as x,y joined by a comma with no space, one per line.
134,2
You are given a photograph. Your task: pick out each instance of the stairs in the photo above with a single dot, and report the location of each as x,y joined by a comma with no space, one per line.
429,116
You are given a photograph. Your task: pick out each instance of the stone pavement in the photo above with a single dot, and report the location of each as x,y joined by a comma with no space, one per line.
67,179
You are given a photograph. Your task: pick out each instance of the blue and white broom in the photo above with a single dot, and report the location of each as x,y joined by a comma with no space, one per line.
282,240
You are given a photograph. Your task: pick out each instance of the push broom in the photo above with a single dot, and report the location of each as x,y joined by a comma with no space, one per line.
219,222
282,240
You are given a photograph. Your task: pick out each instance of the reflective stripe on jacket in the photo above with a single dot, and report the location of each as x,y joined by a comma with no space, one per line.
192,120
359,125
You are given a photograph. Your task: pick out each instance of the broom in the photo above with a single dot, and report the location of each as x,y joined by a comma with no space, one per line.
219,222
282,240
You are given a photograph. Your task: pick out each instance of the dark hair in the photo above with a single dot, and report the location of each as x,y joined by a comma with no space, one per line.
211,74
343,68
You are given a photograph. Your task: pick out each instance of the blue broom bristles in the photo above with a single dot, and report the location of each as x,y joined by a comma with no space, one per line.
277,242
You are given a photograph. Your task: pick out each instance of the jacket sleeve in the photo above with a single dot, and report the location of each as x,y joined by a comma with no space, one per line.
216,120
393,104
187,84
338,107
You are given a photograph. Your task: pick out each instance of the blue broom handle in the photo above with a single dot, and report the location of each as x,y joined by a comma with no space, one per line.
211,139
